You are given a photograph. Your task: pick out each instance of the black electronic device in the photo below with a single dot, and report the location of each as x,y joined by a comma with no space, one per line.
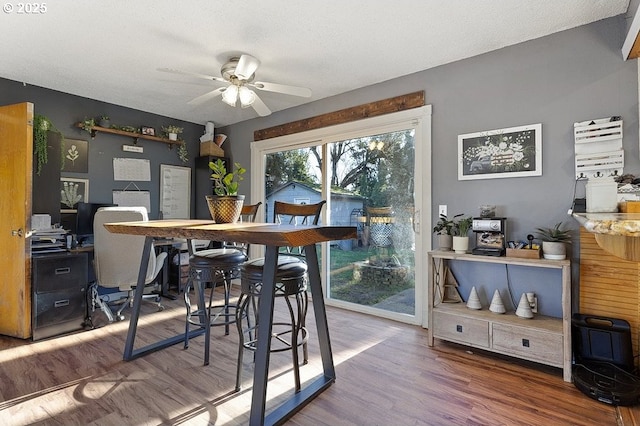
84,221
604,362
490,235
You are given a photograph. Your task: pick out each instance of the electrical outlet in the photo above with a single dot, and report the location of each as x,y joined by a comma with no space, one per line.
442,210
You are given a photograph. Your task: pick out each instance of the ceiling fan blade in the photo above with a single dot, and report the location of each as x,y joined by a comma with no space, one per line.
207,96
193,74
260,107
282,88
247,65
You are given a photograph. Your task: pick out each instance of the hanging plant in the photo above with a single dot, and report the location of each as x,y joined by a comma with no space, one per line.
183,152
41,125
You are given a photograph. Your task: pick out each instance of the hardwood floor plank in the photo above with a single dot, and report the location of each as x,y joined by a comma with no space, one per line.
386,375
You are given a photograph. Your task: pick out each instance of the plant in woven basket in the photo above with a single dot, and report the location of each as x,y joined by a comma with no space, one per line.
226,182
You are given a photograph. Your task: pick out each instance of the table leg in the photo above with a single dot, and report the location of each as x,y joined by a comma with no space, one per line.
129,352
137,299
265,313
320,313
307,393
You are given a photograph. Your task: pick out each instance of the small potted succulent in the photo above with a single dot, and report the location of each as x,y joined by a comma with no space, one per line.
444,230
172,132
226,205
104,121
554,241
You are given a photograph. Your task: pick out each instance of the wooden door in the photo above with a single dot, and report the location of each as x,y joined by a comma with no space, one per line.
16,162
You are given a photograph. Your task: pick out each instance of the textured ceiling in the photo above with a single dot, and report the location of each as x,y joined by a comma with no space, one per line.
111,50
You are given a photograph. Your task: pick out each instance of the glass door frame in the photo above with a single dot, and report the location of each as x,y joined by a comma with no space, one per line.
418,119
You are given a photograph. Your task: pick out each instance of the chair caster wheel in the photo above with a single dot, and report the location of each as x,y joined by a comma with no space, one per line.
160,308
120,318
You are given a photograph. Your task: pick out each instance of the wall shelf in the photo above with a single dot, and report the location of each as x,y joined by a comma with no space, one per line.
134,135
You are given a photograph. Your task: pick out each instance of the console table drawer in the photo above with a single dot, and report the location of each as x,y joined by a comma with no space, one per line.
528,343
470,331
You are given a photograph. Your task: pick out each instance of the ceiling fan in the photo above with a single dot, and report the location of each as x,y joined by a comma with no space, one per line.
239,76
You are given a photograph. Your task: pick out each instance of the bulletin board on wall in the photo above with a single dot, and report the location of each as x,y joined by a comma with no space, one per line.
175,192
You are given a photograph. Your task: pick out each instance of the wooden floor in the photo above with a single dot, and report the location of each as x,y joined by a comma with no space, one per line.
386,375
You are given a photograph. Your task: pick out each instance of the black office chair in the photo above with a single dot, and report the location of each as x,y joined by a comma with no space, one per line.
215,266
291,283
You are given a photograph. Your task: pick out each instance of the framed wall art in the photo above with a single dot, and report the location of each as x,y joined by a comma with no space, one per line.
502,153
72,191
75,156
149,131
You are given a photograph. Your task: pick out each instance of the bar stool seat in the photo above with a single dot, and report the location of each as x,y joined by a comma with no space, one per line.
290,269
217,257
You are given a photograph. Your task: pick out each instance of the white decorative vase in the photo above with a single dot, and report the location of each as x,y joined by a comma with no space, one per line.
173,136
460,244
474,300
554,250
524,308
497,306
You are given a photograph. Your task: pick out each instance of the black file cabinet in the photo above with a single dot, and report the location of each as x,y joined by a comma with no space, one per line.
59,293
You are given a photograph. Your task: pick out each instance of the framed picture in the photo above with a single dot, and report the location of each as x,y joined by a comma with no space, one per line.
73,191
75,156
149,131
502,153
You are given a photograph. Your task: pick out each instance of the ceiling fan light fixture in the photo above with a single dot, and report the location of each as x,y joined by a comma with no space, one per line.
230,95
247,96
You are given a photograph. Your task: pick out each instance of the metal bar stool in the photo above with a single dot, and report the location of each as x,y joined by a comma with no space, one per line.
291,287
216,266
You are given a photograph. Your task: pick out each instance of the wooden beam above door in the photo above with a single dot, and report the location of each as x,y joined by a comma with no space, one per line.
372,109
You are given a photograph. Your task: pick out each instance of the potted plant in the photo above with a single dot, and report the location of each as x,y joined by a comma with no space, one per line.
461,228
554,241
104,121
444,230
87,124
172,132
41,126
225,206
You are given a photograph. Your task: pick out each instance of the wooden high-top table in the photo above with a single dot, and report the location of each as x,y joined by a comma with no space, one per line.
273,236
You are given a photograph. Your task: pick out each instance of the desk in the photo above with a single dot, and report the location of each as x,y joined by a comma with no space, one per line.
272,236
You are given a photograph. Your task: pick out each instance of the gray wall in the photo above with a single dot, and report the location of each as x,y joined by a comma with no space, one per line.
65,110
571,76
557,80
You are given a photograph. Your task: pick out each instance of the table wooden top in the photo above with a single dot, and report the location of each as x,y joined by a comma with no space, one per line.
253,233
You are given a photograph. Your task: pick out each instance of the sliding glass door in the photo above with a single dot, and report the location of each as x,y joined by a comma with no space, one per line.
376,176
368,176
